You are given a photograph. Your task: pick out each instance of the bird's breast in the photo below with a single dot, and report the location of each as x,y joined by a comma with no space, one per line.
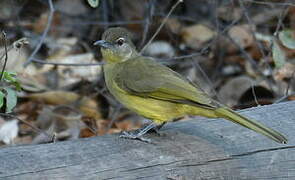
155,109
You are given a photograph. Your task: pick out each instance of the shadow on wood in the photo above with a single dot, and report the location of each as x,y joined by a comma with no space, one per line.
194,149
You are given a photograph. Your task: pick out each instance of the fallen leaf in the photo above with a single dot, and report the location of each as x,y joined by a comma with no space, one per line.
93,3
60,48
63,121
287,38
8,131
256,95
41,23
241,34
285,72
195,36
72,74
73,7
160,49
86,105
11,99
174,25
234,14
232,90
278,55
16,59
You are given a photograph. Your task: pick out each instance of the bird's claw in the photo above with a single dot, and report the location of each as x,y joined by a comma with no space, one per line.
156,131
130,135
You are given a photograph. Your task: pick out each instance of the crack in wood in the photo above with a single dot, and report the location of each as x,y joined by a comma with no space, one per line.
37,171
206,162
262,150
151,166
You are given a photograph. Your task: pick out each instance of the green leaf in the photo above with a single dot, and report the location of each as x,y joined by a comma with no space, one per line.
278,55
93,3
10,77
287,38
11,99
1,98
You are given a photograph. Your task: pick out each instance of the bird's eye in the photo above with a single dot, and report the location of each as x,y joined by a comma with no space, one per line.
120,41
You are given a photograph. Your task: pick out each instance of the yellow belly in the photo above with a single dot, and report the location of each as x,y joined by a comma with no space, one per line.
157,110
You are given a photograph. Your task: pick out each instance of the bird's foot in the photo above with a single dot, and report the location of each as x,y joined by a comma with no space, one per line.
135,136
156,131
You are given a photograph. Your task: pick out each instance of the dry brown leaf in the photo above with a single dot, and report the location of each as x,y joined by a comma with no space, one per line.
235,13
86,132
241,34
232,90
291,98
40,24
291,14
61,47
63,121
32,83
86,105
16,59
127,125
23,139
284,78
195,36
174,25
132,10
285,72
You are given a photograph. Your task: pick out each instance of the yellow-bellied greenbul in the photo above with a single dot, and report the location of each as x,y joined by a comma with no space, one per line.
158,93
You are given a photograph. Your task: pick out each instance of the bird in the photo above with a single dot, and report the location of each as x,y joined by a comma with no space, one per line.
158,93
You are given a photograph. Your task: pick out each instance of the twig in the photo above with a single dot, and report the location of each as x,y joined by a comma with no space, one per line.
185,56
280,21
287,90
6,56
197,65
27,123
49,21
105,13
270,3
65,64
284,97
147,21
289,83
161,25
250,59
116,23
251,23
114,116
254,94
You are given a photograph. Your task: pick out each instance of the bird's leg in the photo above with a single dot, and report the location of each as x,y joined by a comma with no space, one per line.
139,133
157,129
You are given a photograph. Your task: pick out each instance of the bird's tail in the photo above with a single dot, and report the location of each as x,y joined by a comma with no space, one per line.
251,124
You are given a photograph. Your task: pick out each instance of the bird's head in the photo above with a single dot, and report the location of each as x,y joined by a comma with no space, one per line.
116,45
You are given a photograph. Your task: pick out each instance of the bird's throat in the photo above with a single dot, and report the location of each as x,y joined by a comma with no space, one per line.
110,57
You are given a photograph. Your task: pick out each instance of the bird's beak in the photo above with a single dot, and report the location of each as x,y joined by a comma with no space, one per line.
103,43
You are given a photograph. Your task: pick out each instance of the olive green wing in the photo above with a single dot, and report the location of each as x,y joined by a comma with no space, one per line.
147,78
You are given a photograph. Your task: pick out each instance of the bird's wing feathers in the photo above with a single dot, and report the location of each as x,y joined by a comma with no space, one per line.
147,78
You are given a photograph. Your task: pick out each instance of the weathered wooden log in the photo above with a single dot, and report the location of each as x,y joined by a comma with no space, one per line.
199,148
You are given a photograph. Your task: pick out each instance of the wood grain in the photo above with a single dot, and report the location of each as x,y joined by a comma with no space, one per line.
198,148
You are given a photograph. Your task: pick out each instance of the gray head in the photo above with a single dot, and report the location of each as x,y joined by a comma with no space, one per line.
116,45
